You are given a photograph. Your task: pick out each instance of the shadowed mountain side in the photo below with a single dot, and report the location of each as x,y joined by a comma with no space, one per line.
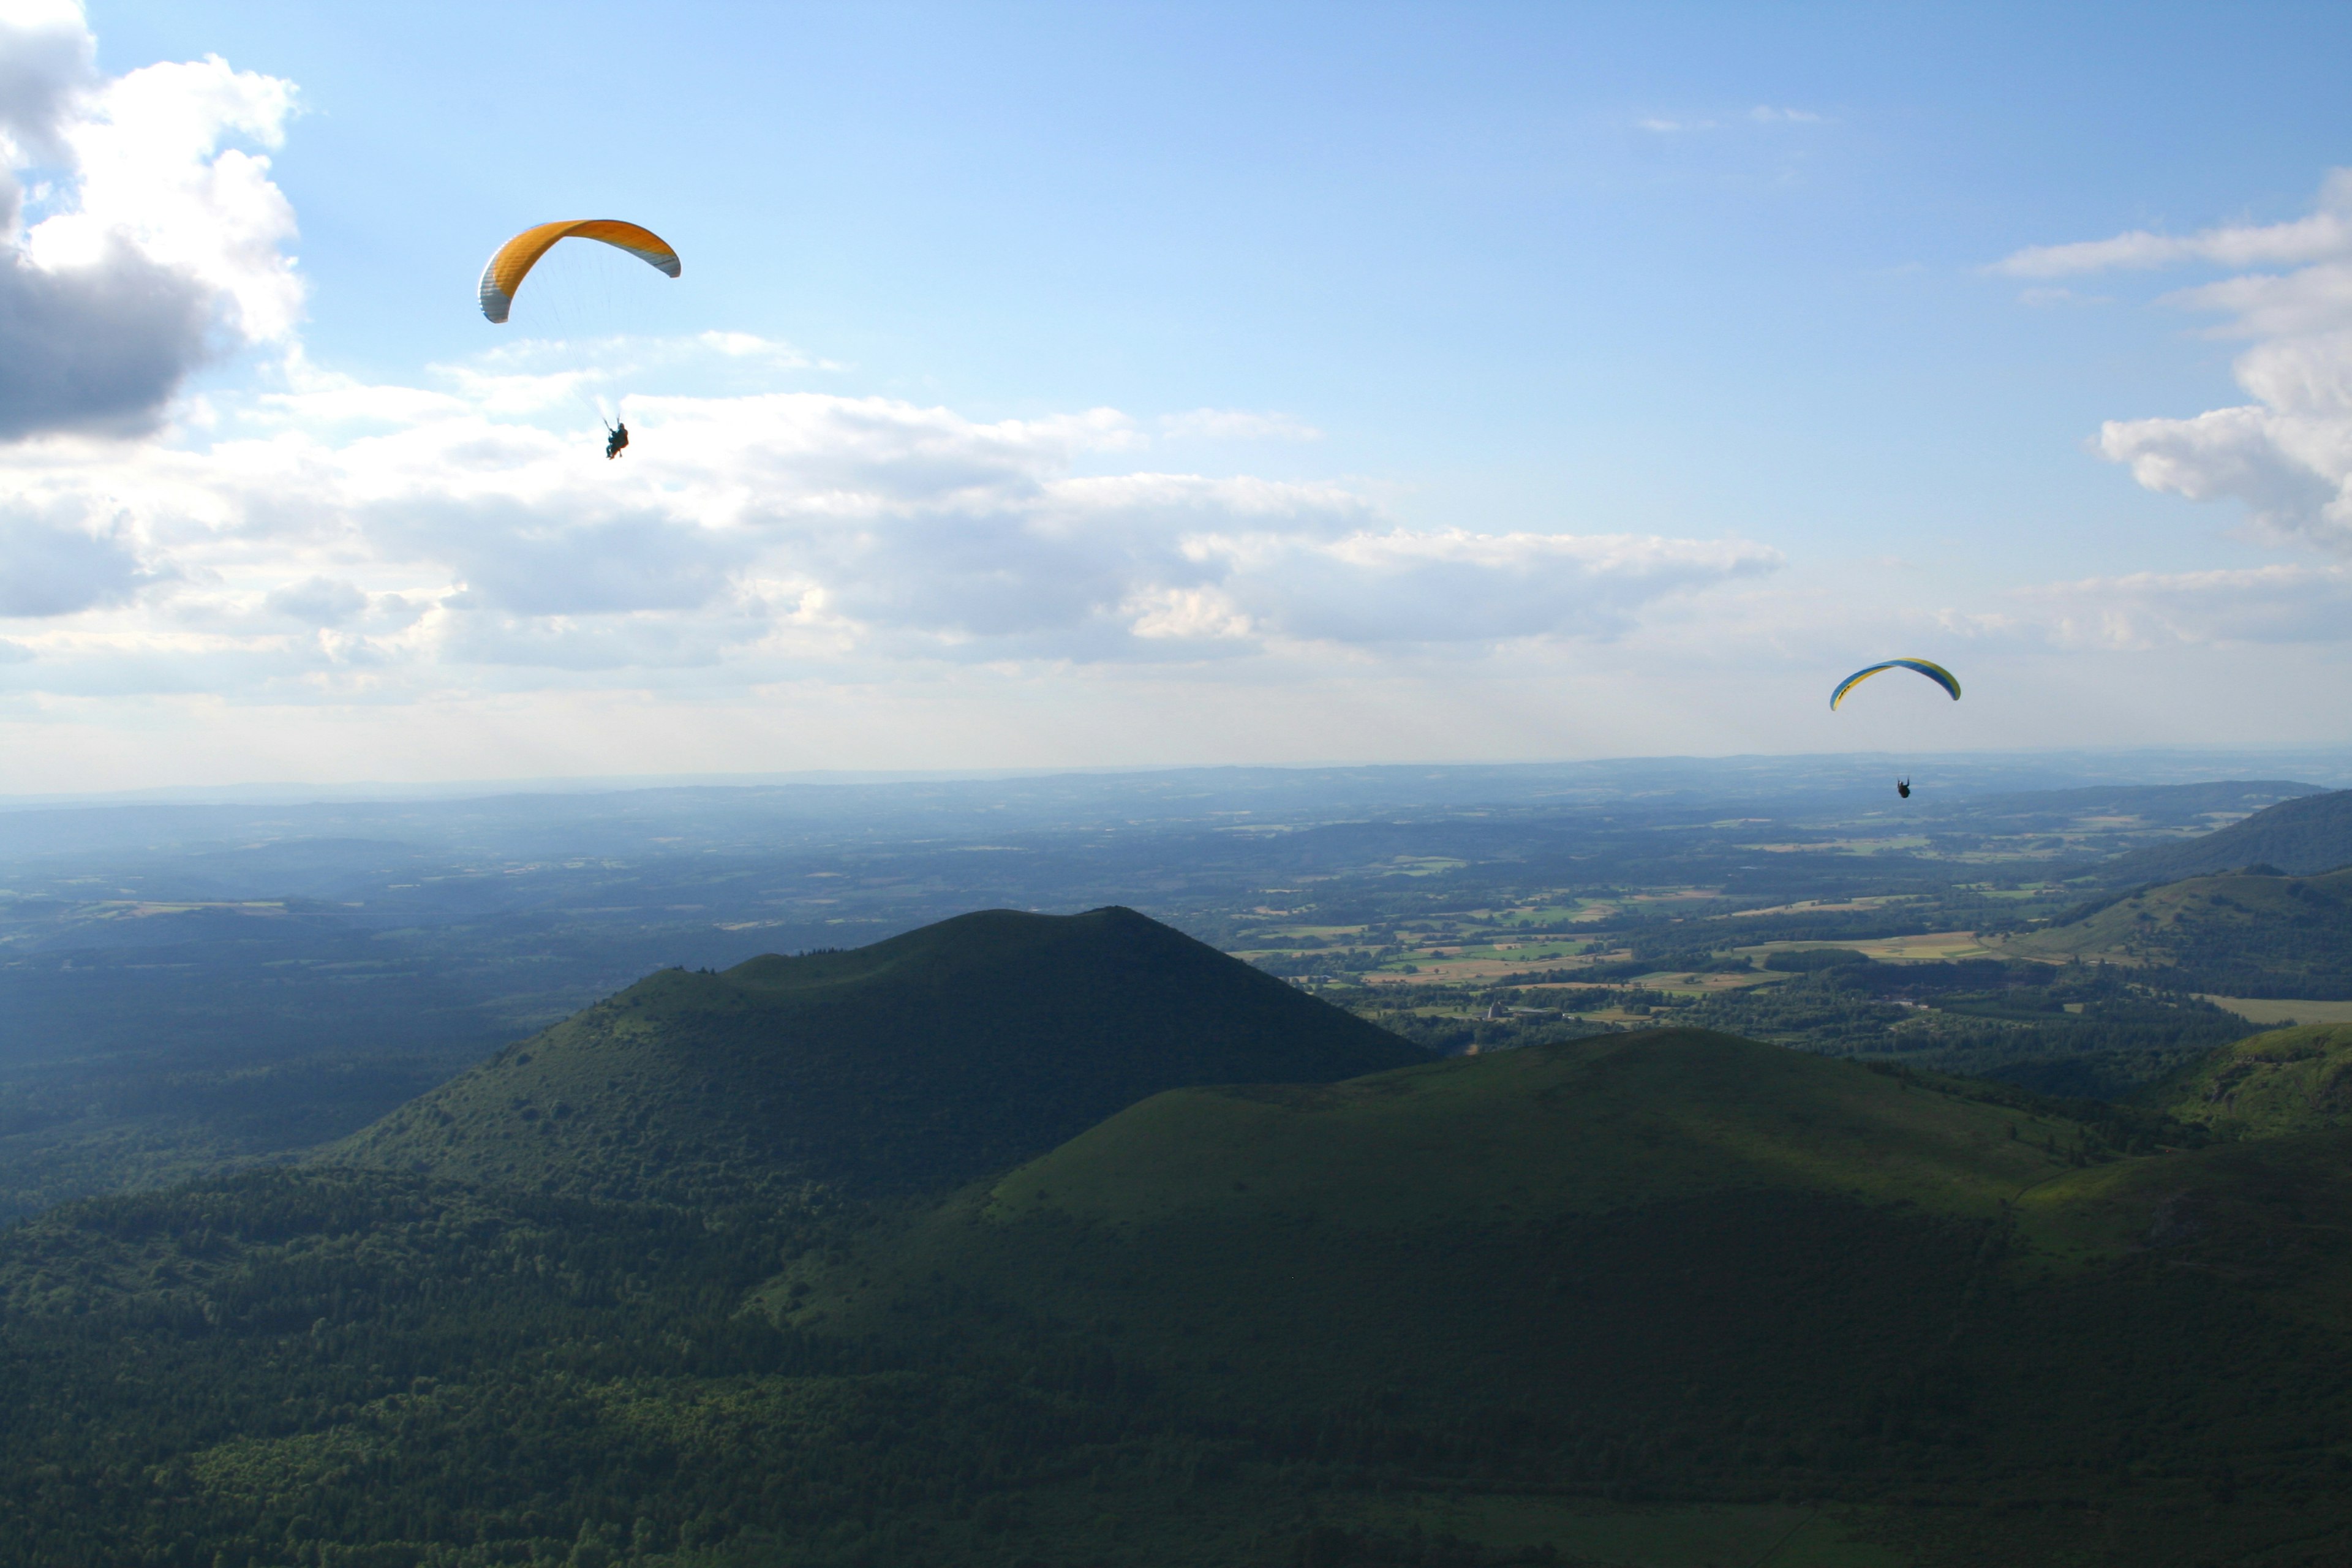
1604,1294
912,1065
2238,934
1677,1260
2298,836
1449,1219
1585,1127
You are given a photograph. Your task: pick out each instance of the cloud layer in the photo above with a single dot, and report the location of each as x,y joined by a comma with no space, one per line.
2287,454
364,537
2261,605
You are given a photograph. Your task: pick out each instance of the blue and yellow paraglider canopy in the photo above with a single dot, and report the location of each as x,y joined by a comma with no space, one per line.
1933,671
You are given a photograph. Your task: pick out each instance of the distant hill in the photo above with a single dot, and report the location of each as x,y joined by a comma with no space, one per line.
2233,935
2286,1081
2298,836
917,1063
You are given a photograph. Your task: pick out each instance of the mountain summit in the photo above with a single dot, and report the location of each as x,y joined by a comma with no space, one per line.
916,1064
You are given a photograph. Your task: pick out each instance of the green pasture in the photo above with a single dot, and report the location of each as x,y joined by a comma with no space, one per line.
1755,1535
1422,864
2283,1010
1821,906
1930,947
1559,911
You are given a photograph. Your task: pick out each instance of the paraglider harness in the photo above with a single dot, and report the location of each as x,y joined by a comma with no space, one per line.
616,438
1903,788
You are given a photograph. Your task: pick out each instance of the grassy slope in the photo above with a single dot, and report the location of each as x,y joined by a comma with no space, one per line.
2233,935
2301,836
915,1063
2283,1083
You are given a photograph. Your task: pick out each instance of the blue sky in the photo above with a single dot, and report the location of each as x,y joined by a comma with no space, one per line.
1114,385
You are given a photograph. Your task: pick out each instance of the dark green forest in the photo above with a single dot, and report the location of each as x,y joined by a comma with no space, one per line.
338,1367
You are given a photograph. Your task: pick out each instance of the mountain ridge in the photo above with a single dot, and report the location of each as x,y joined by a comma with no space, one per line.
2302,836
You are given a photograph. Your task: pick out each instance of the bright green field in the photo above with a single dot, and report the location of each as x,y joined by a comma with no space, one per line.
2283,1010
1767,1535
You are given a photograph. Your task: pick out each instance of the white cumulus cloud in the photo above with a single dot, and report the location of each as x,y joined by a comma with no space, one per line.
2287,454
2325,233
157,243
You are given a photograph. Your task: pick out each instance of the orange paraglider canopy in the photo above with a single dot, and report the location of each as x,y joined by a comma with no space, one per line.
514,259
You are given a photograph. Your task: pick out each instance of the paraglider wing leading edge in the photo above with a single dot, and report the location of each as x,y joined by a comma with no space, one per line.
1933,671
514,260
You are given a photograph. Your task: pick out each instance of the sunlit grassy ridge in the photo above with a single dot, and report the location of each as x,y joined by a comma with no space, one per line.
2286,1081
2238,934
915,1063
2145,924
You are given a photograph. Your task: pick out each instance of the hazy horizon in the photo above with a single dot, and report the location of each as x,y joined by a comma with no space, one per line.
1966,774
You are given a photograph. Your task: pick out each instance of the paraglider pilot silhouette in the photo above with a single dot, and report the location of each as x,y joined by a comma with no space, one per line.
1903,788
512,262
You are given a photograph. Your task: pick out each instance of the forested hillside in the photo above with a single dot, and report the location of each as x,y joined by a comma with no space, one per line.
913,1064
1646,1287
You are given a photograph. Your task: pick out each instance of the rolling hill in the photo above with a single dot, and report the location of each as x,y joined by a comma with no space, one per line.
2300,837
2236,934
2286,1081
914,1064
